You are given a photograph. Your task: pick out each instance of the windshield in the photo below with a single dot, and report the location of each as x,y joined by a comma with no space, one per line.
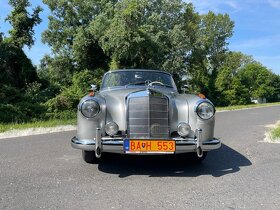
132,78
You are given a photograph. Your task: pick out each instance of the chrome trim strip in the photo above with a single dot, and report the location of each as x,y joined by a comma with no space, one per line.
128,152
77,141
98,143
116,145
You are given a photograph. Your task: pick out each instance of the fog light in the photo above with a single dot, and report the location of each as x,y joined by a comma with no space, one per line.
184,129
111,128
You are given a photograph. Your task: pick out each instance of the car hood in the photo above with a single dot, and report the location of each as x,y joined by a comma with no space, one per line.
116,105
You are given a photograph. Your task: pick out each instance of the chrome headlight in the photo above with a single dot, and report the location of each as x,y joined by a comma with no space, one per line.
90,108
184,129
205,110
111,128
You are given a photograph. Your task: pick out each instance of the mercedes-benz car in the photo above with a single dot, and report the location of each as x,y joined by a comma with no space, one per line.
138,112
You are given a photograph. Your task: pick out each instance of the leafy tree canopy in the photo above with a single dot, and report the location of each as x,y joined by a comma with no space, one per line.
16,69
68,34
22,32
164,34
99,35
259,80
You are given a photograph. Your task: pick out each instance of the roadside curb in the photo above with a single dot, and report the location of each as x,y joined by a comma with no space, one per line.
35,131
230,110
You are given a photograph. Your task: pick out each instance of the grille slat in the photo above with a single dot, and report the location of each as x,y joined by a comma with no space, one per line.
148,117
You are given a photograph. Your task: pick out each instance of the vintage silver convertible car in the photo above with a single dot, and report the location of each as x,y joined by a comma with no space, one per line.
141,112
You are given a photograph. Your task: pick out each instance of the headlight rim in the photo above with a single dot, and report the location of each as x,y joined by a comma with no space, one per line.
207,102
97,113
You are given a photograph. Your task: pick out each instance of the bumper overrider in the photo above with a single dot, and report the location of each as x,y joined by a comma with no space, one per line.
116,145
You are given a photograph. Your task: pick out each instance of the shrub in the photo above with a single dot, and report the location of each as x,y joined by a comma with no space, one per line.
69,98
11,113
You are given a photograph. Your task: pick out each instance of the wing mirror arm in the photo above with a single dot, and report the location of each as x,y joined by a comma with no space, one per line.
185,88
93,87
92,90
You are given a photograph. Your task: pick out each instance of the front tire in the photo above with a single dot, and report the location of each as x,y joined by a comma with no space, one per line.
89,157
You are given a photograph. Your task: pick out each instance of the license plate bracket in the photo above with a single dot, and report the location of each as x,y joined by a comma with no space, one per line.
149,146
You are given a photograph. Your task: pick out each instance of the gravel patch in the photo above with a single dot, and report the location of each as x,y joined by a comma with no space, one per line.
268,137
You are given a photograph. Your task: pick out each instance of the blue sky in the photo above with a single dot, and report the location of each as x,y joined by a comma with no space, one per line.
257,27
256,32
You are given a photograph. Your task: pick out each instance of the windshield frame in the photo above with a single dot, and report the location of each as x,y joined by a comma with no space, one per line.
137,70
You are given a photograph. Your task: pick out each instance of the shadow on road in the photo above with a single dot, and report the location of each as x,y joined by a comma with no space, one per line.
218,163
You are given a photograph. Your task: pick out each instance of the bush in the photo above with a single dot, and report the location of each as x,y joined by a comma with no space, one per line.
11,113
69,98
21,112
33,103
18,106
62,115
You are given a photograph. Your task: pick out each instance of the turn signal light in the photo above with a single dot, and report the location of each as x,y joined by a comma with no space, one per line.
91,93
202,96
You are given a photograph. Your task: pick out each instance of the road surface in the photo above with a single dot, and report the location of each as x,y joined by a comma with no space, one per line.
43,171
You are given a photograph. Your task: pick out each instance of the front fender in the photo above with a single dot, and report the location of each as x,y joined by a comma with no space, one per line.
86,127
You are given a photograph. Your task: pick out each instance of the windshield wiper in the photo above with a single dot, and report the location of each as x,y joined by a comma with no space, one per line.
163,85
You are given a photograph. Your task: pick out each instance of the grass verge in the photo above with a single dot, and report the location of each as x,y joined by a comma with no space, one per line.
246,106
37,124
275,132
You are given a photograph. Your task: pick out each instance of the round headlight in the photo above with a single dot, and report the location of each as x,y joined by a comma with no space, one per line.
90,108
111,128
205,110
184,129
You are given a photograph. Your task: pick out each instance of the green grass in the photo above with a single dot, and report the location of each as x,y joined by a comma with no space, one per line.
275,132
49,123
246,106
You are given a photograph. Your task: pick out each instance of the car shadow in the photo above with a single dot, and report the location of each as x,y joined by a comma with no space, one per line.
218,163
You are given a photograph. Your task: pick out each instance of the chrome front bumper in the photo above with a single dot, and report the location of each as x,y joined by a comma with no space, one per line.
115,145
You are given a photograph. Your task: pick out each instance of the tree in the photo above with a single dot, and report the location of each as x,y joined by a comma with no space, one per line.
58,71
229,90
18,78
241,78
16,69
22,32
275,82
1,37
147,34
121,34
209,52
137,33
259,80
68,33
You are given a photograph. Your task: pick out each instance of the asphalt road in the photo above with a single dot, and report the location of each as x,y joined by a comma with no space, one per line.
43,171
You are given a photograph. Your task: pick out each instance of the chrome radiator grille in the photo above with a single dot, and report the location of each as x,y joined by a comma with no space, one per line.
148,117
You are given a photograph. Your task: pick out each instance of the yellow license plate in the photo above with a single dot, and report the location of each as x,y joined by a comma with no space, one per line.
149,146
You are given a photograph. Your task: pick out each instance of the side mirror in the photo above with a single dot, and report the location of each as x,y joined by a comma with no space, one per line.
93,87
184,88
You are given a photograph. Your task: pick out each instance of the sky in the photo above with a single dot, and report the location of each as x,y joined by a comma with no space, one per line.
257,27
256,31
